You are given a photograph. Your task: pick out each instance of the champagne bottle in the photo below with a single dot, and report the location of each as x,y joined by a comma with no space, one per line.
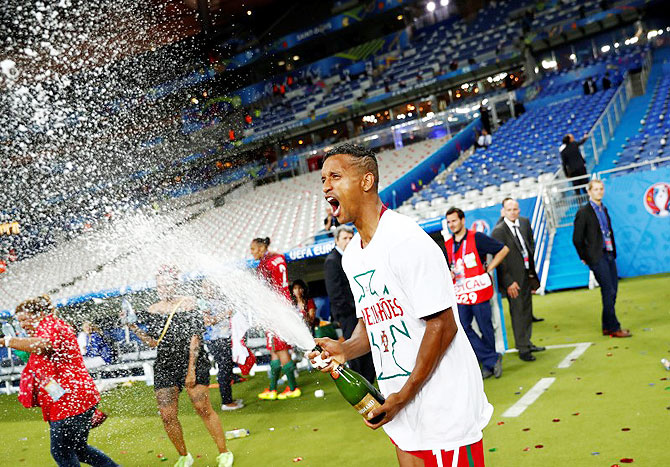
362,395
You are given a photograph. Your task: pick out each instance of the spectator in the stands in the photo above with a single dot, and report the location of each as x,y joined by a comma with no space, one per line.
572,159
330,222
606,82
589,86
484,139
93,347
485,117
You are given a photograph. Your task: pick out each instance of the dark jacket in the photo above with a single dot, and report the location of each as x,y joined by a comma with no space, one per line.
342,303
587,236
512,268
572,159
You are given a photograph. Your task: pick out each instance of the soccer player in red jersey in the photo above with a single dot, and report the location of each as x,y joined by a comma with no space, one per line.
272,268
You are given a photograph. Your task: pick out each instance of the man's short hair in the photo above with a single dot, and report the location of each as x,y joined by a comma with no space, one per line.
566,139
343,228
455,210
594,181
364,158
506,200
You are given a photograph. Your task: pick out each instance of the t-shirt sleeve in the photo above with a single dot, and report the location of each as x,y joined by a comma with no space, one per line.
486,244
421,270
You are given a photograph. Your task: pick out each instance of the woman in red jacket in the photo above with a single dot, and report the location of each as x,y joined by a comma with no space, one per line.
272,268
55,379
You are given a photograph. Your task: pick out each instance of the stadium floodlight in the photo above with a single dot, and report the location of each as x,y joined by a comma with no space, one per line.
296,58
633,40
249,12
651,34
573,57
605,48
430,6
616,45
444,2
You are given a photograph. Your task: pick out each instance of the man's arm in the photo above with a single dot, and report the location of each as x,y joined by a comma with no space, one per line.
354,347
503,271
440,331
38,345
579,235
497,259
583,140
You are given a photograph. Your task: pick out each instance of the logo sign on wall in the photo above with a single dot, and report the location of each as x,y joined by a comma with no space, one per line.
657,199
482,226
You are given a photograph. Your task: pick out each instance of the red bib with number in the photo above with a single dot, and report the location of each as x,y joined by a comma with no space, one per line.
472,283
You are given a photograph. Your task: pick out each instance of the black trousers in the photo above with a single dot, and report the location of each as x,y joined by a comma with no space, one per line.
521,311
363,364
607,276
578,173
222,351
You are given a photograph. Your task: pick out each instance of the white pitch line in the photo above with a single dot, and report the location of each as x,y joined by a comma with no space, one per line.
574,355
528,398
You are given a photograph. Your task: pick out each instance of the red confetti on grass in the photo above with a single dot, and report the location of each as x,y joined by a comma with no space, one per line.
297,459
501,423
526,449
626,460
609,354
625,429
599,393
539,446
575,414
556,420
526,429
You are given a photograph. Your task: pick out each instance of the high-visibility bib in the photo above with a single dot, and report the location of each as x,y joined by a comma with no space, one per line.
472,283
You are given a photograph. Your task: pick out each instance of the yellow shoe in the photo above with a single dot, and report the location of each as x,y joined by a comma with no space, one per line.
268,395
288,394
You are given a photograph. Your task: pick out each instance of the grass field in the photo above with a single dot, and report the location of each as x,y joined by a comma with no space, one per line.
571,424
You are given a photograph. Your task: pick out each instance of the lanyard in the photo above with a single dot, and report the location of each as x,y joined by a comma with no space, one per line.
602,219
461,247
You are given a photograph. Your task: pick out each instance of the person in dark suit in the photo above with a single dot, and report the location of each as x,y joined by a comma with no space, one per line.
606,82
572,160
342,305
594,240
517,278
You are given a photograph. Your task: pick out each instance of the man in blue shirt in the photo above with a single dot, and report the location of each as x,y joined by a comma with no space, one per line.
594,240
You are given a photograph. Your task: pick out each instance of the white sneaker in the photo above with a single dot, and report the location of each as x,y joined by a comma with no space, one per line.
185,461
239,403
225,459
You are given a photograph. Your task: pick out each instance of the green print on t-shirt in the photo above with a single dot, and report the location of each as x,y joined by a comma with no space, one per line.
365,283
397,370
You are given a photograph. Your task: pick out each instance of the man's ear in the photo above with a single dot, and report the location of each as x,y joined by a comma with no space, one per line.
368,181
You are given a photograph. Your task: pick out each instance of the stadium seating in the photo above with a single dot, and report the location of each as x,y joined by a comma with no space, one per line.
651,140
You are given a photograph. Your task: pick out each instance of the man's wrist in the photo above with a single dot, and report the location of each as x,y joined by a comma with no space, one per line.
7,341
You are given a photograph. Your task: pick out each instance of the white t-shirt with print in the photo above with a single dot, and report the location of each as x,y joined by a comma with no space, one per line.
398,278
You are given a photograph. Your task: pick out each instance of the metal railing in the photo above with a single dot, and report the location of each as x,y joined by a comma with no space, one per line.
603,130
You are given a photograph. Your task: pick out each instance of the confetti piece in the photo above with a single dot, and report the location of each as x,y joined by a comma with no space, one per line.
124,452
297,459
578,378
315,429
501,423
493,449
163,459
626,460
526,429
575,414
517,393
271,429
594,453
599,393
667,388
539,446
652,384
198,456
159,455
555,420
625,429
526,449
609,354
664,379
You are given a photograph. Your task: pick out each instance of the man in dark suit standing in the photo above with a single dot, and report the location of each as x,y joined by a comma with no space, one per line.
572,159
594,240
342,305
517,278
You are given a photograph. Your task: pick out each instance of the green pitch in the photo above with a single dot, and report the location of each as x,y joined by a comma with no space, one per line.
570,424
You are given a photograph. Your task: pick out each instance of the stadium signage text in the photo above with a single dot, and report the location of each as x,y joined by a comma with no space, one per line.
319,249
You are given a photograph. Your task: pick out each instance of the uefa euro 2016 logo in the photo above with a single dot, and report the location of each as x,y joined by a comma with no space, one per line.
657,199
481,225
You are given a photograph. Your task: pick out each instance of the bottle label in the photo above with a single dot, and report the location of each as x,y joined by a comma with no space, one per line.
367,405
335,373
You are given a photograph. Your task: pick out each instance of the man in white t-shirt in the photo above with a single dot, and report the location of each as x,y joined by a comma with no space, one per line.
435,406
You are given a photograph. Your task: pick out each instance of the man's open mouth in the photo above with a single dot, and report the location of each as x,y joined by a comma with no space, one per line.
335,204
